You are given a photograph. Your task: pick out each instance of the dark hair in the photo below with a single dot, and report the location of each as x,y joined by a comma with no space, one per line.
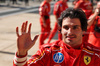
74,13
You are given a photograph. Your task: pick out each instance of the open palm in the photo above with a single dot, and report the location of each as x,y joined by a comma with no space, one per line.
24,41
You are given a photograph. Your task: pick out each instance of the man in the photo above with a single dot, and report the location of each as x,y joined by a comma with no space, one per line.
71,51
95,28
59,7
44,12
86,6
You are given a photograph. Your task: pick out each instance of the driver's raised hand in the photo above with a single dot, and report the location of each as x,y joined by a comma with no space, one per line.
24,41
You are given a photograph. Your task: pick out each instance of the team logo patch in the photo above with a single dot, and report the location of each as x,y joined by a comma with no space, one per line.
87,59
58,57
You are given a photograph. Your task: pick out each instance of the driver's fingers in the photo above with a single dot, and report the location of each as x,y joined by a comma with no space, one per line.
25,26
29,29
17,32
22,28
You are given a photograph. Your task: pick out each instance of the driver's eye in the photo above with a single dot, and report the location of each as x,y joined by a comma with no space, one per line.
66,27
76,27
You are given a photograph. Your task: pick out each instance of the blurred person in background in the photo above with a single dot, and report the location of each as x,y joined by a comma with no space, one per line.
85,5
44,12
94,36
59,7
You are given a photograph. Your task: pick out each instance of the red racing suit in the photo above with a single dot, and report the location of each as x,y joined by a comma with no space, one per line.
44,11
94,37
59,7
85,6
60,54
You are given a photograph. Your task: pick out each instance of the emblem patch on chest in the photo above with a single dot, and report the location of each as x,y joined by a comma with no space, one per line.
87,59
58,57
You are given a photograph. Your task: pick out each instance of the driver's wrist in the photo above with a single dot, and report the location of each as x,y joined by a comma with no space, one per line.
21,54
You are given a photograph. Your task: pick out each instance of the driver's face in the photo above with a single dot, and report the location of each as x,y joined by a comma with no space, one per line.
71,31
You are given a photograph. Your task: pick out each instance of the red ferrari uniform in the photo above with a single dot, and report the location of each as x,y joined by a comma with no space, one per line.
94,37
86,6
59,7
60,54
44,11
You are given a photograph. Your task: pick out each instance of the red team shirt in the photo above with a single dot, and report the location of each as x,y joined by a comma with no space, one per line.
44,11
94,37
60,54
59,7
85,6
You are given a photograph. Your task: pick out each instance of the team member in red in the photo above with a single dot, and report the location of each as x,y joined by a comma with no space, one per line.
86,6
59,7
94,36
71,51
44,12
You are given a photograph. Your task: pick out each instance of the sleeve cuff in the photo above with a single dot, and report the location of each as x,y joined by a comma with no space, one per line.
20,60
